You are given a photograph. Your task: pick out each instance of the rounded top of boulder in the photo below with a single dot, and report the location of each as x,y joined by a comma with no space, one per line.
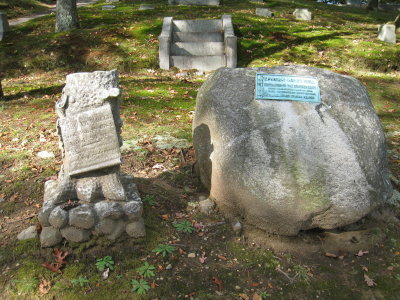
331,84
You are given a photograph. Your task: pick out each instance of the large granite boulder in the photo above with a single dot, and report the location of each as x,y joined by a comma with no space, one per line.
286,166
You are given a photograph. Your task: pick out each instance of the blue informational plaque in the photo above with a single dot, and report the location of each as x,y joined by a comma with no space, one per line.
287,87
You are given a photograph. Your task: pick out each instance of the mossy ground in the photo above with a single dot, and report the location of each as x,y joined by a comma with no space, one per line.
35,61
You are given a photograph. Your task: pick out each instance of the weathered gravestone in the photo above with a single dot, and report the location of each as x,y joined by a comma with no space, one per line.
387,33
318,160
90,196
146,6
108,7
264,12
302,14
4,27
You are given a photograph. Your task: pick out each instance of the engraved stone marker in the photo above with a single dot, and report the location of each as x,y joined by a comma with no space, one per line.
90,195
287,87
90,140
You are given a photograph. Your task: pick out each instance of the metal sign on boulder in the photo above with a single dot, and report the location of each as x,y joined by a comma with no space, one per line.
90,195
286,166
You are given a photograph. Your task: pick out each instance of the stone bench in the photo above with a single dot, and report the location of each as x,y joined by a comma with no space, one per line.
197,44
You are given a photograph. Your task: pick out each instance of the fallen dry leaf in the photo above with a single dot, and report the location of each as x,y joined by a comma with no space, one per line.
217,282
331,255
53,267
59,256
255,284
370,282
203,258
44,286
165,217
198,225
365,268
244,296
361,253
179,215
222,257
257,297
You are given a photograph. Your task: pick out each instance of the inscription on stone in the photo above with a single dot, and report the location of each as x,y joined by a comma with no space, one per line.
90,140
287,87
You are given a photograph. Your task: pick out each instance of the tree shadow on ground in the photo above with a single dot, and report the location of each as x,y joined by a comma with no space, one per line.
38,92
261,49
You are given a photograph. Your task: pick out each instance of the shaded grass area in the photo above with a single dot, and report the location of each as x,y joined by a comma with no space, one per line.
17,8
35,61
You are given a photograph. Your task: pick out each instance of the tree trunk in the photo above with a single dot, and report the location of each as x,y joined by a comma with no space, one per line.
397,22
66,15
1,90
372,4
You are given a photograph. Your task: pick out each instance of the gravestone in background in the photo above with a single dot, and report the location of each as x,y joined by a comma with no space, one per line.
264,12
316,157
387,33
356,3
302,14
4,27
146,6
108,7
90,196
